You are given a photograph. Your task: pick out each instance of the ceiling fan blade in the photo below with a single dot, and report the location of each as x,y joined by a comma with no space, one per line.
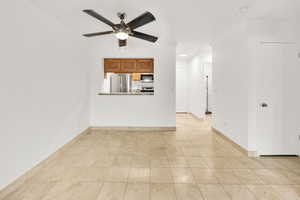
122,43
99,17
144,36
98,33
141,20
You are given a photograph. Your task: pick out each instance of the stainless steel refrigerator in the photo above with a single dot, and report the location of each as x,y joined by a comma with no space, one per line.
120,83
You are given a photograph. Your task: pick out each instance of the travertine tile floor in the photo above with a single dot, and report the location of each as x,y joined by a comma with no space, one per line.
190,164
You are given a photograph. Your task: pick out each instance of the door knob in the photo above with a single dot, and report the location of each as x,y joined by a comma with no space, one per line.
264,105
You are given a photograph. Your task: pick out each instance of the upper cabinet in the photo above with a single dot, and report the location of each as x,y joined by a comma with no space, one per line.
128,65
112,65
144,66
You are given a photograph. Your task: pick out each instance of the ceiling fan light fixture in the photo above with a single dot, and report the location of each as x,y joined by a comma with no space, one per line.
122,35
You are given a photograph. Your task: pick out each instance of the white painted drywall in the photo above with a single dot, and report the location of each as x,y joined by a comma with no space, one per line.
143,111
181,86
196,87
235,81
230,83
44,87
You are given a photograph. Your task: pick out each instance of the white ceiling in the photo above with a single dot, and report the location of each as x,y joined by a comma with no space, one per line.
193,23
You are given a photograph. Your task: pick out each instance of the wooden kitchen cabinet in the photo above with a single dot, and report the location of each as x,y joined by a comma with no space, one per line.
129,65
144,66
112,65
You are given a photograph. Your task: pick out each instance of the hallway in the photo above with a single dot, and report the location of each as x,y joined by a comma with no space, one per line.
192,163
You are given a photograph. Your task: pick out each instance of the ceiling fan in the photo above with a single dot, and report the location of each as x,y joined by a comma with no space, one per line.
124,30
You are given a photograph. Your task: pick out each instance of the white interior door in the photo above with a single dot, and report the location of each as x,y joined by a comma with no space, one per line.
276,65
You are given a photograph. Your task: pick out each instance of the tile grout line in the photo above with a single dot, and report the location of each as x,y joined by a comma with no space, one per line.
101,188
223,188
197,184
150,185
255,196
173,185
125,191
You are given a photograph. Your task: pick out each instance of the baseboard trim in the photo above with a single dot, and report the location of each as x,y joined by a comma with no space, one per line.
30,173
239,147
145,129
252,154
194,116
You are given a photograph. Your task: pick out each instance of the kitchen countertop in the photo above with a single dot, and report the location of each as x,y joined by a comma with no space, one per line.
128,93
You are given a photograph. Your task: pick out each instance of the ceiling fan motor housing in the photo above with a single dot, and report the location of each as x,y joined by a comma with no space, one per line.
121,15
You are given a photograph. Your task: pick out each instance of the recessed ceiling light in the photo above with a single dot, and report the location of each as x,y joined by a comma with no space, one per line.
183,55
244,9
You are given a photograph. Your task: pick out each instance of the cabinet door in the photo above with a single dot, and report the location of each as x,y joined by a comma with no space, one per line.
128,65
112,65
145,66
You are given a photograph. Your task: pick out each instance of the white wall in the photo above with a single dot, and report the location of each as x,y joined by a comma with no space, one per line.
138,111
235,83
181,86
196,87
44,88
230,82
